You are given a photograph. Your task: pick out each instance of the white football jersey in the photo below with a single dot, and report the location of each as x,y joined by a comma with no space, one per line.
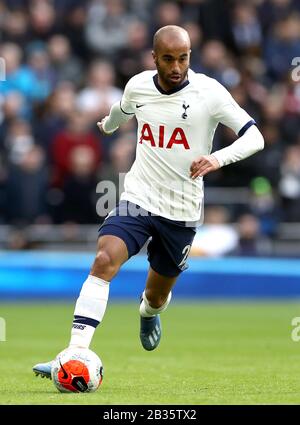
174,129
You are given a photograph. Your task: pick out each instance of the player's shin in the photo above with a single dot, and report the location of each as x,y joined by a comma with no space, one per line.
147,311
89,311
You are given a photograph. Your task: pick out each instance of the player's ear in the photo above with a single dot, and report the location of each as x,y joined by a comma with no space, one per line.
154,56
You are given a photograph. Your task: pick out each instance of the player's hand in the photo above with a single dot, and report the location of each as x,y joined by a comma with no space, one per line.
203,165
100,126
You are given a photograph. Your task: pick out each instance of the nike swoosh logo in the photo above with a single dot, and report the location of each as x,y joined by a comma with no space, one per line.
139,106
65,373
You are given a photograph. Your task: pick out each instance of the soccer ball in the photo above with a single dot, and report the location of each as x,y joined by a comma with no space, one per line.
77,370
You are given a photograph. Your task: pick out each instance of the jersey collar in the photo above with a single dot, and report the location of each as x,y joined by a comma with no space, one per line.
174,90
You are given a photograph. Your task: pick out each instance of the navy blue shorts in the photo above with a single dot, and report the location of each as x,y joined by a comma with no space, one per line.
170,242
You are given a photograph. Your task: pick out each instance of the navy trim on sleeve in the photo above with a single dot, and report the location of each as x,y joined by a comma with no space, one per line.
127,113
245,128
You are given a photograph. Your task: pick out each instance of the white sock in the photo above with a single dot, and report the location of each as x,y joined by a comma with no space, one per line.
147,311
89,310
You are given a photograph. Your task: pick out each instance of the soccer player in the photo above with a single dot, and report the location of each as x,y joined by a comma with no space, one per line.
177,112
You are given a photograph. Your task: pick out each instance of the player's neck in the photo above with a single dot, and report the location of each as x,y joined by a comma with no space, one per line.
167,87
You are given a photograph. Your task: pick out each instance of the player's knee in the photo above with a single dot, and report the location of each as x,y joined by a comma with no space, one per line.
104,265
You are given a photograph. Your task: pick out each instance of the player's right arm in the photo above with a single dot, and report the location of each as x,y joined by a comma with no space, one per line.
120,112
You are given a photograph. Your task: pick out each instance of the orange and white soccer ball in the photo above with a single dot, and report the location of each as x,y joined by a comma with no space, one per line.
77,370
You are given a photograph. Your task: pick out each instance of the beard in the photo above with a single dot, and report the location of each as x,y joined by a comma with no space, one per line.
171,79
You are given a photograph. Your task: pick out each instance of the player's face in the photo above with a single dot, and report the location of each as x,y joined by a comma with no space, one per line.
172,65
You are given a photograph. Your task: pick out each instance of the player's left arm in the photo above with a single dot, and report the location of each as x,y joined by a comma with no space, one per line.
229,113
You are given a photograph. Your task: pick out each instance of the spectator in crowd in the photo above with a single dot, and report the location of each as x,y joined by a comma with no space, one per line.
191,10
76,134
216,62
268,164
121,156
72,14
106,27
26,187
271,11
263,206
196,36
142,9
15,27
216,237
282,45
100,93
41,68
215,21
246,29
130,57
17,76
18,141
291,109
79,188
112,173
3,182
14,106
250,241
66,66
289,184
147,60
42,19
166,13
55,114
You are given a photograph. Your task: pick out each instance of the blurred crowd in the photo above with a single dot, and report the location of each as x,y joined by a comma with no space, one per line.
67,62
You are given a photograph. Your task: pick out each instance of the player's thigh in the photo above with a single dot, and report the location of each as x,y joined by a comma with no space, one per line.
132,230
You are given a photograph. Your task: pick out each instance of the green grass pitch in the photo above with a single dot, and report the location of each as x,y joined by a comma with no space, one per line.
210,353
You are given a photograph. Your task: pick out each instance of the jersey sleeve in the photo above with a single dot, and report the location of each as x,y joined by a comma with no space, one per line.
126,104
225,110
